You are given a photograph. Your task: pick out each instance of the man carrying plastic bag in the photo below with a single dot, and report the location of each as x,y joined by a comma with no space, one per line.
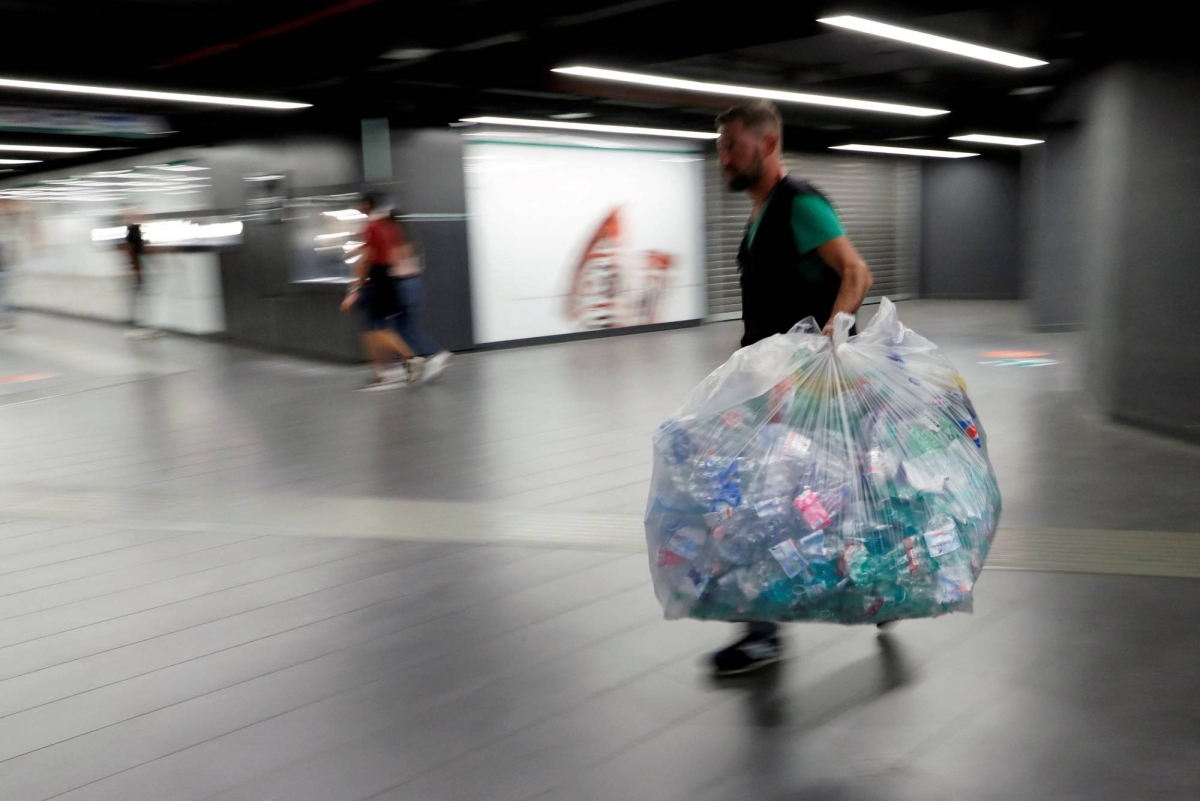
795,262
797,483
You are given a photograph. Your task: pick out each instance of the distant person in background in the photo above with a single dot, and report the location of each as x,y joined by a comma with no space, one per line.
410,289
373,291
135,248
8,320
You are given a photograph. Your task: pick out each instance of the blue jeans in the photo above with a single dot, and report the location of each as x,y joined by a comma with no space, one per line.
409,323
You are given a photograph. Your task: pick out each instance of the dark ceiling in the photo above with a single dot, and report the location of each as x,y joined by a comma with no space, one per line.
432,63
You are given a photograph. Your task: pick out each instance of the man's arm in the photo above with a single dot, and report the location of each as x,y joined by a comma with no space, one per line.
841,256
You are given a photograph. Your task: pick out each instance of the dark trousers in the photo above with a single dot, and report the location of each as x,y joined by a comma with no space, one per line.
410,323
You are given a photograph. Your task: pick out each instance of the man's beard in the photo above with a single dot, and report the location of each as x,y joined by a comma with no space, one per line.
743,180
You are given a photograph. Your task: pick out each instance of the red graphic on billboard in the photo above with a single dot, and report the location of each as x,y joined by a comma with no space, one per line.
613,287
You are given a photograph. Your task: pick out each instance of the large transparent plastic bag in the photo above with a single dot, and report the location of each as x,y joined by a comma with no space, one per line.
806,479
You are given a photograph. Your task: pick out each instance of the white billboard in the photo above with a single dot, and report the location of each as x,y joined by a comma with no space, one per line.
570,239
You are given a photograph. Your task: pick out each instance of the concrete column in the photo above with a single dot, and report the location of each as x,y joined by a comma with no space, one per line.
1138,243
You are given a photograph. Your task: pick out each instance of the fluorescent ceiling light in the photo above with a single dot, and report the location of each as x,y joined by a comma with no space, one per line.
988,139
931,41
264,178
595,128
749,91
124,184
47,149
345,215
143,94
20,161
169,231
906,151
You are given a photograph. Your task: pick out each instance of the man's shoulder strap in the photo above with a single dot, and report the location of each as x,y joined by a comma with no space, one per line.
799,186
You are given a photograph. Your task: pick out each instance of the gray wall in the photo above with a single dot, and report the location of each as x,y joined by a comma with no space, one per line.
1063,181
1146,366
970,243
308,161
264,308
1054,184
429,167
1114,244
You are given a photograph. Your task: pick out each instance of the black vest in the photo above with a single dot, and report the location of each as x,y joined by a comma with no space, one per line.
776,292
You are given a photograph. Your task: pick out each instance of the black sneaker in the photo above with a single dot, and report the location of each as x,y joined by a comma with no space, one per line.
752,652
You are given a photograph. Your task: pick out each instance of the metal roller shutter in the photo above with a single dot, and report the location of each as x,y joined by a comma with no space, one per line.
876,199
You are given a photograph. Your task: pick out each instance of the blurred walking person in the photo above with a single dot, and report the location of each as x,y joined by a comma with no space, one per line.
410,289
373,291
139,314
8,319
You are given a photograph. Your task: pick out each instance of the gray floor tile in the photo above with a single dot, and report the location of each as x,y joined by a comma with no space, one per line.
220,576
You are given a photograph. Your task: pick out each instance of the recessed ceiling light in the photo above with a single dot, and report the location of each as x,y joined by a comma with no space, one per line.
410,53
47,149
573,115
595,128
988,139
935,42
906,151
1025,91
145,94
749,91
20,161
345,215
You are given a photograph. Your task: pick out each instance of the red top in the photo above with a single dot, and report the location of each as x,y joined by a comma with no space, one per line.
380,240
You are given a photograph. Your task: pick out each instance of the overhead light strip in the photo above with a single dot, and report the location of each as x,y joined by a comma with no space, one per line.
989,139
145,94
47,149
592,127
748,91
20,161
935,42
906,151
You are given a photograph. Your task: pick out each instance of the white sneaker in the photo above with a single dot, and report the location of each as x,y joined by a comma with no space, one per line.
436,365
396,375
381,383
416,369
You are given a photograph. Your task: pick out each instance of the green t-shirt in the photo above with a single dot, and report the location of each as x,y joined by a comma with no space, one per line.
814,222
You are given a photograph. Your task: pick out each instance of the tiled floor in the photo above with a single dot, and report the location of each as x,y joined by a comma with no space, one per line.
225,575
